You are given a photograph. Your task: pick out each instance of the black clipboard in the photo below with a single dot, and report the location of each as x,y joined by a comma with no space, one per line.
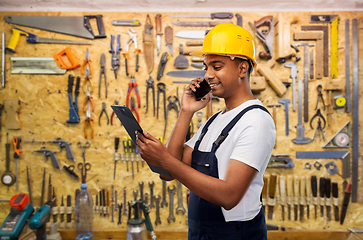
131,125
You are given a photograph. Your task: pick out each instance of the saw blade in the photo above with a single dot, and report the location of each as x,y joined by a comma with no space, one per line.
35,65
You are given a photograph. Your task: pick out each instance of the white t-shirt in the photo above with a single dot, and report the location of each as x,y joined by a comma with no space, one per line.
250,141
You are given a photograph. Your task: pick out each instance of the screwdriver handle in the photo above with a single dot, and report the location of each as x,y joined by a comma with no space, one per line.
272,186
302,186
16,142
289,186
158,24
314,186
282,187
308,187
117,142
327,187
221,15
322,187
111,44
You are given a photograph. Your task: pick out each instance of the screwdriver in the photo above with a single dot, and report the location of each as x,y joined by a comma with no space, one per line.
125,151
16,142
115,157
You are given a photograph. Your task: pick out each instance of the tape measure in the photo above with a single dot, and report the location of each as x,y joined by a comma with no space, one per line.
340,101
342,139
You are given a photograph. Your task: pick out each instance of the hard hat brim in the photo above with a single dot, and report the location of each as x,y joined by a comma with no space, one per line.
202,54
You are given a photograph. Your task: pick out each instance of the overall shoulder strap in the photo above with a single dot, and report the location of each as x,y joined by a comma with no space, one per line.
205,129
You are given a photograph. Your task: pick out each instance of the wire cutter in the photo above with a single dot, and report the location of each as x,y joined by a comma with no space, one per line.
171,105
115,61
103,111
86,62
132,39
132,84
133,108
102,71
89,99
150,85
113,113
87,79
320,96
88,122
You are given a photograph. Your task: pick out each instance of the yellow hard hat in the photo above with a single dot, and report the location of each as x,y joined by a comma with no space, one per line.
229,40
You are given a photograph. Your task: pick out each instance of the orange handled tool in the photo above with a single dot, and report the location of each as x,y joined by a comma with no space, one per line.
72,58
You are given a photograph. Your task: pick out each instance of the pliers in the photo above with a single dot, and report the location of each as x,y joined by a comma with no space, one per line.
320,96
133,108
132,84
102,71
113,113
87,79
171,105
150,85
132,39
86,62
103,111
115,61
88,122
88,99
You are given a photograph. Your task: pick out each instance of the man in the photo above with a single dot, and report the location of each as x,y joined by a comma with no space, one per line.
224,166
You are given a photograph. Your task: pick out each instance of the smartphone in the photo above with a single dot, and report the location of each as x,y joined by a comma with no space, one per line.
202,90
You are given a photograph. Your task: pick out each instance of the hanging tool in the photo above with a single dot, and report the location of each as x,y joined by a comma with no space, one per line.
87,79
50,186
132,85
346,199
84,167
199,23
70,170
158,32
293,76
3,60
169,39
88,102
271,193
286,102
347,66
302,199
339,101
43,189
132,39
163,60
319,130
172,104
137,226
267,39
333,20
217,15
133,108
181,61
148,44
132,23
328,201
296,195
102,72
336,85
308,196
11,108
150,85
271,77
116,156
16,143
50,153
86,62
192,34
319,127
75,26
32,38
187,74
29,186
73,105
280,161
88,122
283,49
115,60
322,186
8,178
320,97
103,111
282,196
161,89
113,112
311,64
239,20
126,152
300,129
314,190
341,139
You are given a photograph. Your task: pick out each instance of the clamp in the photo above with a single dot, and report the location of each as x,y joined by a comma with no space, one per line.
115,61
86,62
113,112
150,85
102,71
171,105
320,96
103,111
132,39
133,108
88,122
88,99
132,84
87,79
161,89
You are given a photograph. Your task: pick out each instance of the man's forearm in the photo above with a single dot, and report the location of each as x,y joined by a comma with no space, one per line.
176,139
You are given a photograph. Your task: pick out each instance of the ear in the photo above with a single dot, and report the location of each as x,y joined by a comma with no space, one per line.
243,68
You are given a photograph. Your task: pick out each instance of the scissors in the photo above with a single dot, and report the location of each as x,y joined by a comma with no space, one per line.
84,167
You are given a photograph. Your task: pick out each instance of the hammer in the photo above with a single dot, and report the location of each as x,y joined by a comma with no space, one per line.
274,106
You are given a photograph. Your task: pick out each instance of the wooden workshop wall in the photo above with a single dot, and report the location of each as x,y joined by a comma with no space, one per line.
44,111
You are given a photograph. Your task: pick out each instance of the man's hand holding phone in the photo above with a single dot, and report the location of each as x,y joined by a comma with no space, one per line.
194,92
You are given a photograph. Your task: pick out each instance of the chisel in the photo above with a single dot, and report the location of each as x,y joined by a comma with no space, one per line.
282,196
302,197
322,194
335,200
328,200
289,196
314,189
296,195
61,211
308,196
347,194
271,194
69,211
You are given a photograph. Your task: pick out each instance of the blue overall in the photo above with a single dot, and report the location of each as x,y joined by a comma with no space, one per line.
205,219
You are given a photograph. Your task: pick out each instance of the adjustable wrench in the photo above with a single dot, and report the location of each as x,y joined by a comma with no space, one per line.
171,206
180,207
164,202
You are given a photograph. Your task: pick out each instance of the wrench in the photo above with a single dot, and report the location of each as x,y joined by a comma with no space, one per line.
112,220
135,193
171,206
151,186
164,202
116,205
141,185
119,213
180,207
146,198
125,209
157,202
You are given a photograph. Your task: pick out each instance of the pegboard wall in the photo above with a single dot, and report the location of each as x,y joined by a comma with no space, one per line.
44,110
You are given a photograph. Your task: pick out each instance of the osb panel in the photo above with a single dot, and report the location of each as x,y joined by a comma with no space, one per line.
44,111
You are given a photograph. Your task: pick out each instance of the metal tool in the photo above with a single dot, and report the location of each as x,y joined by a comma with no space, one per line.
103,111
217,15
84,167
328,200
115,59
71,25
43,189
290,197
7,178
32,38
3,60
157,204
113,112
132,23
124,212
16,143
132,85
169,39
198,23
88,121
141,186
347,65
267,39
148,45
132,39
164,202
293,75
70,170
341,139
181,61
286,102
88,79
187,74
192,34
280,161
180,207
322,186
161,89
346,199
320,97
163,60
35,65
29,186
150,85
158,32
332,168
116,156
50,153
296,195
300,129
314,190
102,72
173,100
134,109
302,198
73,105
171,192
151,186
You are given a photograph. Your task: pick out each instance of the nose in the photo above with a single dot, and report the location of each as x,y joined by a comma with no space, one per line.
208,74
